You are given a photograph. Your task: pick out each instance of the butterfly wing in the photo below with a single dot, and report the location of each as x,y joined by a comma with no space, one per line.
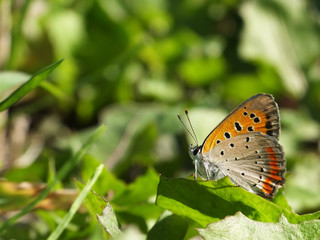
256,162
260,113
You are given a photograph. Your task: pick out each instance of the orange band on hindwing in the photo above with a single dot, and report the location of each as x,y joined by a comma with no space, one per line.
275,170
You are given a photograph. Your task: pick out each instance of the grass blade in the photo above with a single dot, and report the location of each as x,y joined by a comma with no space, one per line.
28,86
68,166
75,206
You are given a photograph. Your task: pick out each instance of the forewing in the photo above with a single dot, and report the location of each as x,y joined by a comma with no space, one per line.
259,113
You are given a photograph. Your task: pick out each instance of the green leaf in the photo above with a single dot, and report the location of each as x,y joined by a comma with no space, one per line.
75,206
241,227
109,222
106,182
136,202
139,191
95,203
281,200
209,201
170,227
28,86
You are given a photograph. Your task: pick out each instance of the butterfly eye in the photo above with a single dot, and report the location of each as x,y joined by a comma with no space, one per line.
195,152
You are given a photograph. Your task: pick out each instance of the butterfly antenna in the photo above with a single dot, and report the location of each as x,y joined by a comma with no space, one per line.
194,137
194,134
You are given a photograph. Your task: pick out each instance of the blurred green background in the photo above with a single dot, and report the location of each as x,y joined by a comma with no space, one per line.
134,65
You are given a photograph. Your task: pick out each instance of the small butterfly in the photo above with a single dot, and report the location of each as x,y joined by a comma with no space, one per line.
245,147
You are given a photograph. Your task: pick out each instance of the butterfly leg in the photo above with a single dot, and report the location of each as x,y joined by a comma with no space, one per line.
206,167
195,169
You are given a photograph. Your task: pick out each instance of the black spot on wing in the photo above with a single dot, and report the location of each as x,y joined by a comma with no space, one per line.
268,125
227,135
271,133
250,129
238,126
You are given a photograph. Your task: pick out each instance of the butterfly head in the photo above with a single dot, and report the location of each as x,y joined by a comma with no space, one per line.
194,152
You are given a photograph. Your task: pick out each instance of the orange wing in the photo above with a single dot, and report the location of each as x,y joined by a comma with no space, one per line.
260,113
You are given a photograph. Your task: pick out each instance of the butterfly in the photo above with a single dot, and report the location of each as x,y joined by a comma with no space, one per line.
245,147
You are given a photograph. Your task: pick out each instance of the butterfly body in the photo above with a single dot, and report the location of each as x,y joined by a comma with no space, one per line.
245,147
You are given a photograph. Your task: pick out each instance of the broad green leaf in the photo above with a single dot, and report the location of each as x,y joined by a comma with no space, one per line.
209,201
75,206
240,227
136,202
109,222
140,190
281,200
28,86
175,228
145,210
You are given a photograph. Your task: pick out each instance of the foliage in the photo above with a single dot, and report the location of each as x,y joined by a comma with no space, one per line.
132,66
230,228
218,199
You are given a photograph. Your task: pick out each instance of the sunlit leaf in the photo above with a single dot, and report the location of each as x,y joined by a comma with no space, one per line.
209,201
109,222
241,227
